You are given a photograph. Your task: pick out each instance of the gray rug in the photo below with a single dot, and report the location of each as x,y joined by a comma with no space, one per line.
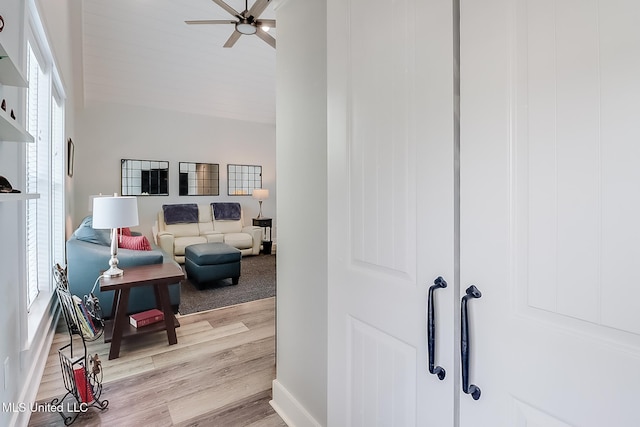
257,281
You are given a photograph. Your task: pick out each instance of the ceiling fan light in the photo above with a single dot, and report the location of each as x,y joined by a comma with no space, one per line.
265,28
246,28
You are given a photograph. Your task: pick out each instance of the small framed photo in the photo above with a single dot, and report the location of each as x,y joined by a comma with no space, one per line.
70,155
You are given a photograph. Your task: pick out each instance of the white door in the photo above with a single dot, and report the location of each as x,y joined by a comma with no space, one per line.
391,204
550,209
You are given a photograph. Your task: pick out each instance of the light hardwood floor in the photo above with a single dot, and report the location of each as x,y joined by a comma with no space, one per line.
219,373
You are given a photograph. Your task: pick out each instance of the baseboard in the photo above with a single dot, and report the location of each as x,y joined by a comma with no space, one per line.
289,409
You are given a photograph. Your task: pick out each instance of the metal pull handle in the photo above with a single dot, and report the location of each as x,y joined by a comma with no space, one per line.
473,390
431,329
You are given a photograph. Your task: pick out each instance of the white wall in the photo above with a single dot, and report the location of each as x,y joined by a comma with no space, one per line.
299,391
107,133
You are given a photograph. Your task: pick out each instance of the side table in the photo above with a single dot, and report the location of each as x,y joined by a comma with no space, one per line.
160,276
265,223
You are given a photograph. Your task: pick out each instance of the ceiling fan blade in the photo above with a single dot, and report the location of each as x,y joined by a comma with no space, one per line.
226,7
258,7
210,21
232,39
266,37
271,23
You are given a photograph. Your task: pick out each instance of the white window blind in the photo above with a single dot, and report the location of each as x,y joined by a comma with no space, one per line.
45,176
35,79
57,181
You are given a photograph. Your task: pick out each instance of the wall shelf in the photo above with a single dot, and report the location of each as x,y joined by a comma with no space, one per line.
11,197
11,130
10,74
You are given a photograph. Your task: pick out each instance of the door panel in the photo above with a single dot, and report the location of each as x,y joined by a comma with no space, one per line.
578,220
382,378
572,197
381,96
548,208
528,416
559,90
390,123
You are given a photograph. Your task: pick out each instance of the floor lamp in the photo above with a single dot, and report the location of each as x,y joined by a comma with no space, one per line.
114,213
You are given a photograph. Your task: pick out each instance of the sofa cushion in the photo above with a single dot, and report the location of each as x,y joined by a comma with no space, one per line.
136,243
227,226
183,230
182,242
214,237
205,219
87,233
239,240
204,212
227,217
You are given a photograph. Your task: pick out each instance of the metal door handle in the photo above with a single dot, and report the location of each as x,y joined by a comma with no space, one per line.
431,329
473,390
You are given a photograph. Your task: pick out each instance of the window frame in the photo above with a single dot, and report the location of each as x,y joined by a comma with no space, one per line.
50,242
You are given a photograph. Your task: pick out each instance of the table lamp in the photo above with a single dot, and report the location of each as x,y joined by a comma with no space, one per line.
114,213
93,196
260,194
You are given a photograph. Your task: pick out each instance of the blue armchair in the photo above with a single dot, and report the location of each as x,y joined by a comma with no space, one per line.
88,254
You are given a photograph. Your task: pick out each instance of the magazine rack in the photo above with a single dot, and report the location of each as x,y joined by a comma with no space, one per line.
81,374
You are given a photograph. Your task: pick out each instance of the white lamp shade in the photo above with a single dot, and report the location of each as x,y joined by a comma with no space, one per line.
260,193
115,212
93,196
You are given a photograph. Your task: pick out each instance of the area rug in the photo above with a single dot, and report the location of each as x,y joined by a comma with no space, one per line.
257,281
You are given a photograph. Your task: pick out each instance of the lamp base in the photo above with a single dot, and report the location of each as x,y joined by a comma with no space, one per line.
260,212
113,272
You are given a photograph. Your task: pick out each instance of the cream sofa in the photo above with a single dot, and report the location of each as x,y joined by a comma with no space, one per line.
173,238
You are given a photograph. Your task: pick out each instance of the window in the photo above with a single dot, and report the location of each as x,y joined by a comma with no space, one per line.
44,175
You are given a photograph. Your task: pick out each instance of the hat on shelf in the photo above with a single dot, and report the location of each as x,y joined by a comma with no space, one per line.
5,186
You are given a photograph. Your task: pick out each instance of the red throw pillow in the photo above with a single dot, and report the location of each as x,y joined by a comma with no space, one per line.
126,231
137,243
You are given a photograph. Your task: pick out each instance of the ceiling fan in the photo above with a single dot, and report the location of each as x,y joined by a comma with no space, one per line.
246,22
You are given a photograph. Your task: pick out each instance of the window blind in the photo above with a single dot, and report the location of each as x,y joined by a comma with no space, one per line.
45,172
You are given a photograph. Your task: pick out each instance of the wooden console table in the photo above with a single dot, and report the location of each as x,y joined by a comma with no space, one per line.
160,276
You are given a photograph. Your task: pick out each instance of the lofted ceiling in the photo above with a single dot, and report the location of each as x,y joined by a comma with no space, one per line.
140,52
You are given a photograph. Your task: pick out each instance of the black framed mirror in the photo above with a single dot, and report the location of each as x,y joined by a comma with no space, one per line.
144,177
242,179
198,179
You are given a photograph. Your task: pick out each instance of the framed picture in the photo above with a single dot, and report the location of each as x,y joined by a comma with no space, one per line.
70,155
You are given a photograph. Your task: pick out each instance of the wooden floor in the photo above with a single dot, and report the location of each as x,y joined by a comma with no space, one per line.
219,374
